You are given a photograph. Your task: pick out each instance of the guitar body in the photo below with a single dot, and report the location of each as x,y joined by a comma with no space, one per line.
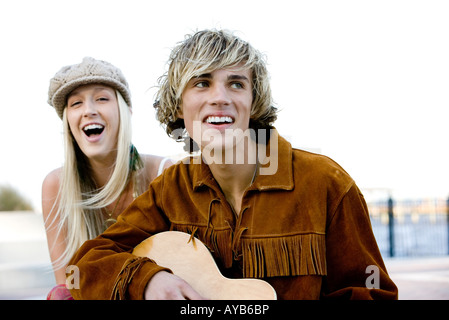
192,261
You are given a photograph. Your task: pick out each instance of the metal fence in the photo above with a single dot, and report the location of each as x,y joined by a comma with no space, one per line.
411,228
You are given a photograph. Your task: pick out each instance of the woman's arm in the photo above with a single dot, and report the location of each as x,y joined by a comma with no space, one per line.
55,240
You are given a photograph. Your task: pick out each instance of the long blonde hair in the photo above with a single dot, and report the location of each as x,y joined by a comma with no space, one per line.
80,202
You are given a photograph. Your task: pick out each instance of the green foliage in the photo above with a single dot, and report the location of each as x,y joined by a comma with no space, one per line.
12,200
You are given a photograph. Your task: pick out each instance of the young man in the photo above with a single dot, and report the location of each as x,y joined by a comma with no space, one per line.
266,210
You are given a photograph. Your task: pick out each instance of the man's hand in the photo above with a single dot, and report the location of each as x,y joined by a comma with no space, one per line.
166,286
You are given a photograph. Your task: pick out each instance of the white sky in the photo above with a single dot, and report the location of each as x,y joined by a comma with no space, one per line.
364,82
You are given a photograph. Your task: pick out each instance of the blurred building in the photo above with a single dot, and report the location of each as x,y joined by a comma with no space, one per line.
25,267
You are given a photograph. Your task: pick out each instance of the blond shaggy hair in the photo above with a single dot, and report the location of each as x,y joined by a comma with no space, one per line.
203,52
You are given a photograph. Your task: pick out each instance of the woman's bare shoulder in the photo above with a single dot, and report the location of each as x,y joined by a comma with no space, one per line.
52,179
50,189
153,164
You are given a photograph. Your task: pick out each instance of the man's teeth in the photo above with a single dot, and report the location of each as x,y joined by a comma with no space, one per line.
219,120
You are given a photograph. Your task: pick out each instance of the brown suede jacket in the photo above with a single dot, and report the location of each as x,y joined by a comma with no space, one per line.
305,229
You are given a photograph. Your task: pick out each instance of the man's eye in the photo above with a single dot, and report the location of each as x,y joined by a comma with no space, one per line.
236,85
201,84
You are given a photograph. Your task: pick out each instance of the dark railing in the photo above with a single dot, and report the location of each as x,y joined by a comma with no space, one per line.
408,228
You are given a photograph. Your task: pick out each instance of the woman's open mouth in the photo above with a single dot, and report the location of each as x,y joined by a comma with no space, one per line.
93,130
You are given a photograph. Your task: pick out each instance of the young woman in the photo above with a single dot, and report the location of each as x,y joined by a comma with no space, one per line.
266,210
102,172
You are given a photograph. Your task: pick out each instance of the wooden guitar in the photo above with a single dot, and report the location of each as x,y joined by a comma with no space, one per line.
192,261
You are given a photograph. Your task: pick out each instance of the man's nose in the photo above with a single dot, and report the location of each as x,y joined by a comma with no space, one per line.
219,95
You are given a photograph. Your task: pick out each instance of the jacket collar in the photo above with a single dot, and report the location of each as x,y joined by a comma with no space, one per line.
275,171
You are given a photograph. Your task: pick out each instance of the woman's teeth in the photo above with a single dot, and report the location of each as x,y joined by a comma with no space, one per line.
93,129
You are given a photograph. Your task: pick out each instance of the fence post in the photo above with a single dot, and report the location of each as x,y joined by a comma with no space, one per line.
447,223
391,224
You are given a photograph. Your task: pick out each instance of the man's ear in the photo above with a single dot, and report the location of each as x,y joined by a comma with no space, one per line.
179,113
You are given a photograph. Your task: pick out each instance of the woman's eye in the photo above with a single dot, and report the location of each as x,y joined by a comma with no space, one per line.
74,104
102,99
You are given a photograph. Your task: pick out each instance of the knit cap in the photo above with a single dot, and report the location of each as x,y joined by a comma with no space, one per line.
88,71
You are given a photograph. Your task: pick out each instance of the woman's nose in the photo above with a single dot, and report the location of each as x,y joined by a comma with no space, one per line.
89,109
